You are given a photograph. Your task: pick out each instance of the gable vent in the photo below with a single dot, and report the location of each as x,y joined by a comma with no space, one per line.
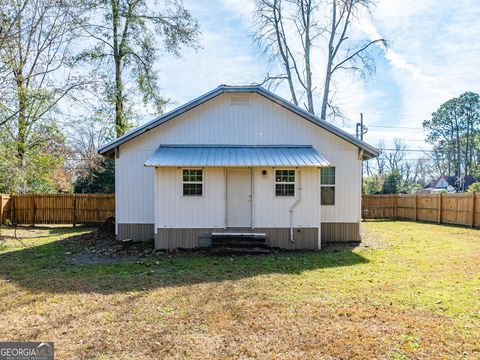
240,100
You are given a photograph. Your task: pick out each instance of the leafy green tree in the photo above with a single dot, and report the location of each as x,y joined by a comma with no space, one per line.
41,173
474,187
31,62
127,35
454,130
372,184
98,177
470,113
392,183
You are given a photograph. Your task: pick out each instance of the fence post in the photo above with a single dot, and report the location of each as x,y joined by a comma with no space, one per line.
14,210
1,209
439,211
415,208
396,207
74,210
34,209
474,200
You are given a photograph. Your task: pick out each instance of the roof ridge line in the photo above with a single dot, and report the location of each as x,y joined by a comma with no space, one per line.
370,150
233,146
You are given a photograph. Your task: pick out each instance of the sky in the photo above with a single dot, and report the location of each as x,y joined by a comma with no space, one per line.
434,55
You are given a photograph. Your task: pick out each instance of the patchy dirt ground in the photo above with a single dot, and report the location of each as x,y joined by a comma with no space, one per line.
100,247
411,291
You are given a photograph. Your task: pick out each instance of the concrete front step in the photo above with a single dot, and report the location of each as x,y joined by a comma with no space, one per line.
224,250
239,235
239,243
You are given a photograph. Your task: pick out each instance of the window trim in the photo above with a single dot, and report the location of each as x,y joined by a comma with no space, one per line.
328,185
285,182
193,182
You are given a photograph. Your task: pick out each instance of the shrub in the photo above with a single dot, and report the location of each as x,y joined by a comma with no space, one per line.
474,187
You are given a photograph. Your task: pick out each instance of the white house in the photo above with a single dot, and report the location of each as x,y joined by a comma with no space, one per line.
443,183
238,158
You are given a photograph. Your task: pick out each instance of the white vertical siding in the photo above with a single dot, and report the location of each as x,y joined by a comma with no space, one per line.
347,206
262,122
273,211
134,188
177,211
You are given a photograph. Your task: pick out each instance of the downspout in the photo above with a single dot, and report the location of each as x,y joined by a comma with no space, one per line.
294,205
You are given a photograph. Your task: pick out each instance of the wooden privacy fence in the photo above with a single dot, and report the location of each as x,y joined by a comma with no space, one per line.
73,209
442,208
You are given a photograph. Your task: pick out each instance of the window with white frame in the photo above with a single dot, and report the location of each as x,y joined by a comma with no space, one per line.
192,182
327,180
284,182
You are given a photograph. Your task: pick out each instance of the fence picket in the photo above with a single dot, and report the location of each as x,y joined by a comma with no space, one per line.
460,209
474,198
56,208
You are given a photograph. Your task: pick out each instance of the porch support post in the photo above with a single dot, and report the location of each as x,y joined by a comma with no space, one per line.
225,197
252,197
319,187
155,201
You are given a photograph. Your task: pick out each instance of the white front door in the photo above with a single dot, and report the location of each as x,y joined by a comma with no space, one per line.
239,198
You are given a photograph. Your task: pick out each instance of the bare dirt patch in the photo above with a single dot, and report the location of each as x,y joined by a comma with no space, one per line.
100,247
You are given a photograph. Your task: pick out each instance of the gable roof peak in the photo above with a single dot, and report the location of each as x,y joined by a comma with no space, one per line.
369,151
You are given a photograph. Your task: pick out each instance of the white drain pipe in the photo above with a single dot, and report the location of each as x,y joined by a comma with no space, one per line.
294,205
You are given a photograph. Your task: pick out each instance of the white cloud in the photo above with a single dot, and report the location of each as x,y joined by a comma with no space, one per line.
226,56
242,9
433,55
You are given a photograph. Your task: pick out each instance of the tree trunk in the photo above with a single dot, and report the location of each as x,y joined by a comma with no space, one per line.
22,121
277,18
326,89
120,126
21,140
458,170
308,69
328,72
290,84
467,147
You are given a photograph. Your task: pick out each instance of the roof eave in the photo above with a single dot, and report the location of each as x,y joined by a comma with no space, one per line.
160,120
370,151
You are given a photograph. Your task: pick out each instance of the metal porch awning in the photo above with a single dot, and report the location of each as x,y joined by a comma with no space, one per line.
236,156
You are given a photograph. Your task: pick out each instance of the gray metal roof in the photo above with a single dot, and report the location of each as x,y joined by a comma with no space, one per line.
369,150
236,156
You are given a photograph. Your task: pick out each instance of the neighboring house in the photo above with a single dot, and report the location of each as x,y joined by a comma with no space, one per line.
449,184
443,183
238,158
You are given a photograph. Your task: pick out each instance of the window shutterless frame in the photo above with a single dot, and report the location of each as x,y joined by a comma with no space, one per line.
327,186
285,182
192,182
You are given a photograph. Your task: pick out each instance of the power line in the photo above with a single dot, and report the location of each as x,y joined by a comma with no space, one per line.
395,127
414,159
394,114
405,140
410,150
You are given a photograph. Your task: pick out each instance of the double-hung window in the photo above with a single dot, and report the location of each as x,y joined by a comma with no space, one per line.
327,180
284,182
192,182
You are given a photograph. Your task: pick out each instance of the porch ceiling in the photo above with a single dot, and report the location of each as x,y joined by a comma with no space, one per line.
236,156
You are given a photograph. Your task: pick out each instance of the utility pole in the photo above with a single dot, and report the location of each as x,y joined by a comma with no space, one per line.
361,126
360,131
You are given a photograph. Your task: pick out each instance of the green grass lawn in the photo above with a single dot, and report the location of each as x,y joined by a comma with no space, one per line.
411,290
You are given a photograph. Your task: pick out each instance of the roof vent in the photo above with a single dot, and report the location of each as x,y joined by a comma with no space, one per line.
240,100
